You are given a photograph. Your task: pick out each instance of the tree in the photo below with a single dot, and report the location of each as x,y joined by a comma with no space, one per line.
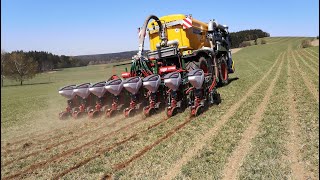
4,58
19,67
256,39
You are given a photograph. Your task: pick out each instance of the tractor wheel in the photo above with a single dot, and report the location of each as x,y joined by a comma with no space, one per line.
104,108
172,111
75,109
129,112
223,73
196,111
199,110
78,114
201,63
64,115
89,108
192,65
94,114
110,113
149,111
216,98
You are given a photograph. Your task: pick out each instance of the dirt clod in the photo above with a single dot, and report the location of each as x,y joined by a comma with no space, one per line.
26,145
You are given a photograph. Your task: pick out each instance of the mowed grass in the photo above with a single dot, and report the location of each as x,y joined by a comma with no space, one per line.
265,159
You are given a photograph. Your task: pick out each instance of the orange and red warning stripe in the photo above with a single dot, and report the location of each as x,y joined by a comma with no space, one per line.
187,23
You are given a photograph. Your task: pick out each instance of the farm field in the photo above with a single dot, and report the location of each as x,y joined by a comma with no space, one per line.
267,126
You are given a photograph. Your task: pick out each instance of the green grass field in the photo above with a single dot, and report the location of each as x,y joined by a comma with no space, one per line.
267,126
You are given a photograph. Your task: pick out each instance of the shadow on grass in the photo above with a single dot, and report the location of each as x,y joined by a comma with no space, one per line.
229,82
233,79
27,84
57,69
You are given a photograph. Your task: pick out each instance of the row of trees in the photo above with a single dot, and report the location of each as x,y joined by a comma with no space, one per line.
20,66
246,35
48,61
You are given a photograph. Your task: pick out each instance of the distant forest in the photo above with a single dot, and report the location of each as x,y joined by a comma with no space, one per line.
47,61
246,35
107,58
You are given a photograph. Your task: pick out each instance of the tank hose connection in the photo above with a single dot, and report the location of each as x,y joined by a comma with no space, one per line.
162,34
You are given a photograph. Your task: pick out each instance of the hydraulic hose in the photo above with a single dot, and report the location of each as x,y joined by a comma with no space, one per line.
139,63
144,29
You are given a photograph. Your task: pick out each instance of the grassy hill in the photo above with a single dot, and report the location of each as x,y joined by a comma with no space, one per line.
108,57
267,126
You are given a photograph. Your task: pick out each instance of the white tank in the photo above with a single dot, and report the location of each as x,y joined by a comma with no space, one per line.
133,84
98,89
82,90
173,80
152,82
196,78
67,92
114,86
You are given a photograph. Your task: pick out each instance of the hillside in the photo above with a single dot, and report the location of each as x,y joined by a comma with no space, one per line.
107,58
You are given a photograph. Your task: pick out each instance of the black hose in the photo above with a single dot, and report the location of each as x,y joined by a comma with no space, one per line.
143,31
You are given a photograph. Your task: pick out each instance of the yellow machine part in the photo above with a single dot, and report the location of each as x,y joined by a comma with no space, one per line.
189,39
233,68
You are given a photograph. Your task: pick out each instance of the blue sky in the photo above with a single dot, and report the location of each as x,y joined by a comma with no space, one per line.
78,27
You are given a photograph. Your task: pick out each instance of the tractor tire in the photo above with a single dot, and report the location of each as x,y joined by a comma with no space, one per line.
202,63
223,73
192,65
89,108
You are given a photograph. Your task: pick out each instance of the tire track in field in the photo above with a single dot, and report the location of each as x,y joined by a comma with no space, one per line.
62,134
71,151
35,136
175,169
254,67
312,61
14,139
317,53
271,41
297,168
278,40
58,143
306,81
283,39
305,63
104,150
9,144
147,148
299,46
311,54
235,160
7,151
